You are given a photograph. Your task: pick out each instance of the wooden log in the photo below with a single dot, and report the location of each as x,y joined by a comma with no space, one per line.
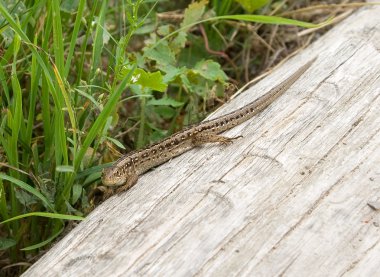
290,197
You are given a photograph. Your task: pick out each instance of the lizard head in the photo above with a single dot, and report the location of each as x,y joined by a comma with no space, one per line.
112,176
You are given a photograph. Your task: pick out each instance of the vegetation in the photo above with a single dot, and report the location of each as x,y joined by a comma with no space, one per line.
82,81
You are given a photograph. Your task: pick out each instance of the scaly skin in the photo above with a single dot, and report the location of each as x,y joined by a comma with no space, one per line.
126,170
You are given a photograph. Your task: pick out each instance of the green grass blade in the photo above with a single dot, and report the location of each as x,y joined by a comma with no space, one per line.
250,18
91,170
60,139
16,107
267,19
44,214
83,48
69,107
43,243
98,40
47,113
74,36
3,202
14,122
35,73
28,188
3,82
57,36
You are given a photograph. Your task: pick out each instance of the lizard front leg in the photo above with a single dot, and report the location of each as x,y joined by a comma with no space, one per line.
132,180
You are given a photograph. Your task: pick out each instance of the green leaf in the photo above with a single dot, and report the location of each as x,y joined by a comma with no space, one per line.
162,54
164,30
26,199
91,178
6,243
173,72
77,192
186,82
194,12
146,29
210,70
152,80
165,102
179,42
252,5
165,112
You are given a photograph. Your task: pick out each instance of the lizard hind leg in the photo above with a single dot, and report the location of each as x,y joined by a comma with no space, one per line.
203,138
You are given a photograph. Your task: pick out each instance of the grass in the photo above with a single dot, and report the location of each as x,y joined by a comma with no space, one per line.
83,80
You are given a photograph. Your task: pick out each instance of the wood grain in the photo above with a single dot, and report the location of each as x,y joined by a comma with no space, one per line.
289,198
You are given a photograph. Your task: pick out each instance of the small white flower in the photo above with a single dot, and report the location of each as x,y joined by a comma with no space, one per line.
135,78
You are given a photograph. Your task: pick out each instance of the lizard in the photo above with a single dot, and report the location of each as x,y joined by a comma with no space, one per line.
125,171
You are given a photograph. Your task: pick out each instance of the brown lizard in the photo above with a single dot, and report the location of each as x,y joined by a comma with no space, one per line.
125,171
